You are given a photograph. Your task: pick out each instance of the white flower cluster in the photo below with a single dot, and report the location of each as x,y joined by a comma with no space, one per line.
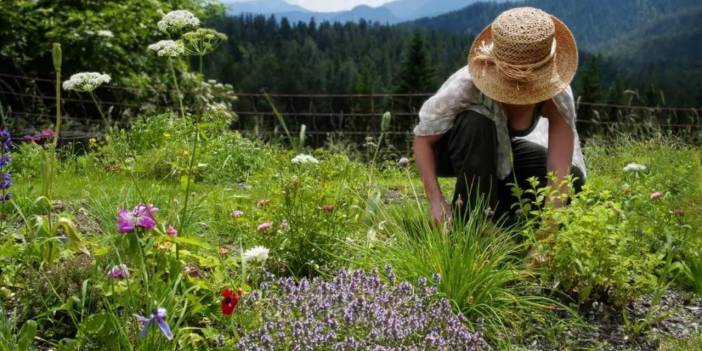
105,33
86,81
302,158
169,48
256,254
176,21
635,167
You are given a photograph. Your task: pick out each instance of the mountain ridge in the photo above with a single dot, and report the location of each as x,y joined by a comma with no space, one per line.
392,12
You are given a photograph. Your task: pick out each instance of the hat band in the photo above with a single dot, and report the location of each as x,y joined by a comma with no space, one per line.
521,73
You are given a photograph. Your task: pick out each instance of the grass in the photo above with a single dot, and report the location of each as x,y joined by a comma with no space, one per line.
375,220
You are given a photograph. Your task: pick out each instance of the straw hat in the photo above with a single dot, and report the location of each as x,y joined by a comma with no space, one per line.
525,56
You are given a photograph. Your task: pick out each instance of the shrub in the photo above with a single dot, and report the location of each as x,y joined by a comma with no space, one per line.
626,234
355,310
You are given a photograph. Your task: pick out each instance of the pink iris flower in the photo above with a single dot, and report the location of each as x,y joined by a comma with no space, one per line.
141,216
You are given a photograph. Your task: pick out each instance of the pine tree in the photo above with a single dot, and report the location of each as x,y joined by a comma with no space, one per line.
417,72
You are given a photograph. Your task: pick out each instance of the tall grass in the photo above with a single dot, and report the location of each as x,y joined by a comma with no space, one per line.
480,266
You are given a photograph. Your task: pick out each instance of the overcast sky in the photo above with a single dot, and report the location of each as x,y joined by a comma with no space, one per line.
332,5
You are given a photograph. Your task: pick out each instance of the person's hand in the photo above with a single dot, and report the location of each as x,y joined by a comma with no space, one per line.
440,211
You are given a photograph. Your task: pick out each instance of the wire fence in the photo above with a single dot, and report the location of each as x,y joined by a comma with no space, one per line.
28,106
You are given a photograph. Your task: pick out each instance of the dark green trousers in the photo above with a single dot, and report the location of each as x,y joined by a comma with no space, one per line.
468,151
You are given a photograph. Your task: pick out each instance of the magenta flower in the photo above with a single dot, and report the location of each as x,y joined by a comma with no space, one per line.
265,227
119,272
47,134
141,216
656,195
171,231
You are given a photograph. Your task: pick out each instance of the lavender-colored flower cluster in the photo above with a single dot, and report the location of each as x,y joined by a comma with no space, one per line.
5,159
356,311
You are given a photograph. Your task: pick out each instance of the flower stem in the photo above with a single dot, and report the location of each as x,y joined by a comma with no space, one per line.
102,115
189,174
57,128
175,83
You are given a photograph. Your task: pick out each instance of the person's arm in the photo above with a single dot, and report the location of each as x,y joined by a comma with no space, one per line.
560,148
426,164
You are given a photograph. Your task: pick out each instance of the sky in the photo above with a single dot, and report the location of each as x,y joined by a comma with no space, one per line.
333,5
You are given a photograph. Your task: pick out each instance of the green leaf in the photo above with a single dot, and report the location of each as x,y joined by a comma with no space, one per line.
26,335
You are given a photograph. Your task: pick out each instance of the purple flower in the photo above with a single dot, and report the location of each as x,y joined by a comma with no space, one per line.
5,140
5,159
159,317
141,216
355,311
119,272
171,231
5,181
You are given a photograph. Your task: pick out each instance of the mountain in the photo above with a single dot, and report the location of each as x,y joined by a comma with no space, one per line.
413,9
393,12
593,22
265,7
295,13
640,42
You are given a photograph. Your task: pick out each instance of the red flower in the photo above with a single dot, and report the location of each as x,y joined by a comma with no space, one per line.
229,301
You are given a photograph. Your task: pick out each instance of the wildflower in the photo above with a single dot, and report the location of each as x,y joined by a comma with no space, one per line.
285,225
30,138
381,315
167,136
256,254
92,142
86,81
47,134
157,316
656,195
192,270
328,208
263,227
403,162
105,33
489,212
141,216
459,201
635,167
679,212
202,41
119,272
171,231
224,250
168,48
302,159
176,21
5,159
237,214
263,203
229,301
5,181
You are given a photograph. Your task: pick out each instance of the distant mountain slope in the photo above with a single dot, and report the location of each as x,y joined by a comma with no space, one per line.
392,12
592,21
413,9
265,7
295,13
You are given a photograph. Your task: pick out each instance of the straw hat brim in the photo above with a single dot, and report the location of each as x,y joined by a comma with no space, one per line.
553,77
